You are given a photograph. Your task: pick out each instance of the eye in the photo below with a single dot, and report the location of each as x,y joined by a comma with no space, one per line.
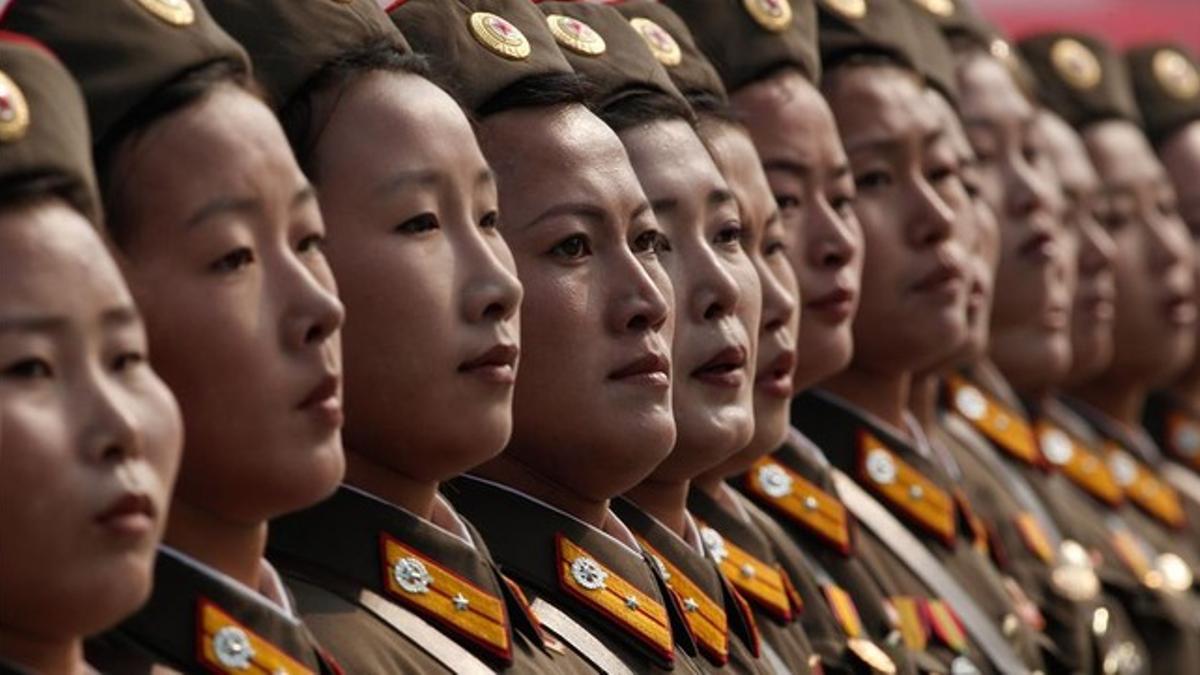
730,234
843,204
873,179
490,220
651,241
773,247
418,224
233,261
943,173
128,360
786,202
573,247
1031,153
312,243
29,369
1168,208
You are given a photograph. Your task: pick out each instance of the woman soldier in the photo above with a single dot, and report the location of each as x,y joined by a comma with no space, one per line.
219,235
91,437
718,302
591,410
410,208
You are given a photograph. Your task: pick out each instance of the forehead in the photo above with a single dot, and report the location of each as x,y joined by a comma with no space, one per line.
674,150
1121,154
989,92
1067,153
788,118
738,161
880,104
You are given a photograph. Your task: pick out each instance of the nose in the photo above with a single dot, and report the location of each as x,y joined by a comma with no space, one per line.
312,311
1026,191
830,241
780,299
932,220
714,293
1170,245
638,304
110,433
491,291
1097,250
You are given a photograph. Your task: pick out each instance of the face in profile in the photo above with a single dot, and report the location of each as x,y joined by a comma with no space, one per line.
809,175
594,387
222,247
717,295
1154,331
90,438
1180,154
414,241
766,242
1092,311
912,313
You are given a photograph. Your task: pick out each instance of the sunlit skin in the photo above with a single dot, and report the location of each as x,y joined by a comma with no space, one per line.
90,441
1154,331
718,305
914,283
1092,308
414,242
1031,308
795,134
594,384
1180,155
766,243
222,249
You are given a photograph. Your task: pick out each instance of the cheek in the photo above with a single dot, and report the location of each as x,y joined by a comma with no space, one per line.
41,499
162,431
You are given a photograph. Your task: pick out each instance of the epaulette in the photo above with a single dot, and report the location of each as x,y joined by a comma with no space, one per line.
1145,489
843,609
227,646
705,617
908,490
1182,438
1006,428
1079,464
593,584
791,495
764,584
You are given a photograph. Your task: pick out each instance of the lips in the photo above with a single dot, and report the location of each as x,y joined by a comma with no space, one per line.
498,364
944,277
726,368
649,369
836,305
1040,246
130,515
776,378
324,400
1180,308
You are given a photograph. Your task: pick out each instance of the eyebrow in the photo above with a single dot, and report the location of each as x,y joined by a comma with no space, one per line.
120,316
245,205
716,197
583,210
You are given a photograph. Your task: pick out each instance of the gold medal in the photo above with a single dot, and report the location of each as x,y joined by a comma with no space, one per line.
500,36
174,12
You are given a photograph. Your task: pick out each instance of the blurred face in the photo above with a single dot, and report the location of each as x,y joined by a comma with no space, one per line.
595,384
413,238
224,257
1031,310
90,437
808,173
914,273
717,295
766,242
1180,155
1092,308
980,236
1155,315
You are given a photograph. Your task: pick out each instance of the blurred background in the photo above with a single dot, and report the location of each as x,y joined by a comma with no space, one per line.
1123,22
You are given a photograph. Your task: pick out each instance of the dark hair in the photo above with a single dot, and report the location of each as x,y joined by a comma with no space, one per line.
536,91
33,188
709,105
298,116
636,107
190,87
839,64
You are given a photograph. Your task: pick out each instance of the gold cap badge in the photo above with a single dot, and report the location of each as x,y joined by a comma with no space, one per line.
851,9
174,12
14,111
662,45
576,35
1075,63
500,36
774,15
1175,74
938,7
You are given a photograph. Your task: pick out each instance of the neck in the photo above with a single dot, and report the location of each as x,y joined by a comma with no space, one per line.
1187,388
233,548
884,396
1122,403
385,482
665,500
923,398
512,472
46,657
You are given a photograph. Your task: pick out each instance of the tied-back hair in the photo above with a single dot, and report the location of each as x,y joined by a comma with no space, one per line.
637,107
536,91
17,192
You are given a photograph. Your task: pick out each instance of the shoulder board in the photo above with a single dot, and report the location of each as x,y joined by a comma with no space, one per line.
1005,427
1135,554
790,494
631,610
1182,438
451,601
226,646
944,624
907,489
844,609
977,525
1034,536
705,617
911,621
1145,489
753,578
1079,464
754,639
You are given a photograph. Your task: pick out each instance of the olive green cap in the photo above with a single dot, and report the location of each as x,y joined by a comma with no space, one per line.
748,39
123,51
964,27
292,40
481,47
931,51
604,49
1166,84
1080,77
43,123
876,27
674,45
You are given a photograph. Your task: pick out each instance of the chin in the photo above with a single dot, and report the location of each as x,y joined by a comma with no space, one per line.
311,481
